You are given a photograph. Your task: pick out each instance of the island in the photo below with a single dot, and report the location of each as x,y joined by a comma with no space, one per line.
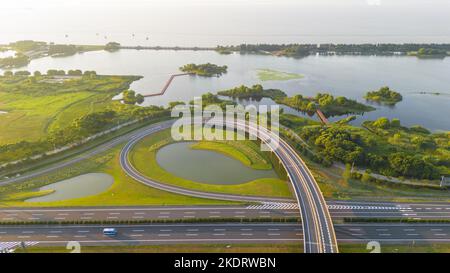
254,92
27,50
384,95
304,50
130,97
327,103
205,70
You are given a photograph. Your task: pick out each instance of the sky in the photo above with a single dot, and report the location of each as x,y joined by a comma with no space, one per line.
243,19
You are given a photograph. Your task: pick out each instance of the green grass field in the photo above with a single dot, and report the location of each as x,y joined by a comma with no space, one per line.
124,192
240,248
273,75
36,108
143,156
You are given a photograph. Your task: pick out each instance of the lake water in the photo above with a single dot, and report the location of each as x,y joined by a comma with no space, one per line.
350,76
76,187
206,166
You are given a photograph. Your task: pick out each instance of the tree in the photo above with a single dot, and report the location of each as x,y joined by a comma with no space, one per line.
382,123
366,177
37,74
8,73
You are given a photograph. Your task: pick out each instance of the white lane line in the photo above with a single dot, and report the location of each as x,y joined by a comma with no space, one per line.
273,229
138,217
27,232
218,234
165,230
138,230
354,229
34,218
189,212
86,218
274,234
83,231
52,236
114,213
385,234
192,229
164,212
246,229
136,235
214,216
163,235
440,234
239,212
356,234
23,237
112,217
63,214
55,231
214,212
409,229
412,234
219,229
188,216
79,236
246,234
191,234
436,229
60,218
139,213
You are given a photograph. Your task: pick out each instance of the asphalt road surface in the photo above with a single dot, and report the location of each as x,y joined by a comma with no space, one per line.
338,210
220,233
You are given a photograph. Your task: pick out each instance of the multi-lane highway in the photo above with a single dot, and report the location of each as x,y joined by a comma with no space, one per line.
338,211
220,233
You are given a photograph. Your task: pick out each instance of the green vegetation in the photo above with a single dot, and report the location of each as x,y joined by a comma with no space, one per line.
329,105
143,158
176,248
112,46
206,70
384,95
244,151
124,192
273,75
48,112
303,50
256,92
429,53
130,97
27,50
386,148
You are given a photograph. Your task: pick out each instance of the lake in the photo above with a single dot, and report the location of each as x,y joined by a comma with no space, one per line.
207,167
76,187
350,76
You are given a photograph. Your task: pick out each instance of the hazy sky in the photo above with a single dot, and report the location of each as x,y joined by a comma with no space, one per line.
244,19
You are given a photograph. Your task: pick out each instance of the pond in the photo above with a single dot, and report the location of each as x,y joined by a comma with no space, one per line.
76,187
207,167
350,76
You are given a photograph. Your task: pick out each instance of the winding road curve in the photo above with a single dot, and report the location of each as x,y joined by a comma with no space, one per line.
318,228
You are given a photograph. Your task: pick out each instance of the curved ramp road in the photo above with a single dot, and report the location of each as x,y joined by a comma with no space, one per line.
319,232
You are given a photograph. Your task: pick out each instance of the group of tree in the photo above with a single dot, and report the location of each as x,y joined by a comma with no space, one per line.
256,92
338,144
130,97
112,46
301,50
206,70
327,103
18,60
384,95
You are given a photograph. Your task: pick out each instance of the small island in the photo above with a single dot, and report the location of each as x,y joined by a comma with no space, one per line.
255,92
130,97
205,70
327,103
384,95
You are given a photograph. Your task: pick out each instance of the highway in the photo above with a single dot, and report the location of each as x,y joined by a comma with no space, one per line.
338,211
220,233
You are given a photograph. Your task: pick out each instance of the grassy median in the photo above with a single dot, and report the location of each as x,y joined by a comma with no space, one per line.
143,157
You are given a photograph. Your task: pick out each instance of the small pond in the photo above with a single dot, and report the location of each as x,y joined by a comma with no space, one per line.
76,187
207,167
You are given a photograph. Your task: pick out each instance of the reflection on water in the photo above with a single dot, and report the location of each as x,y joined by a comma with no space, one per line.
76,187
208,167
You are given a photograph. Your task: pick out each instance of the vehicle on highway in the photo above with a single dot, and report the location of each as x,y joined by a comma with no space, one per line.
109,232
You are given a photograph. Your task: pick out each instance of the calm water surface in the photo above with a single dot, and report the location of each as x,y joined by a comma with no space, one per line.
76,187
350,76
206,166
